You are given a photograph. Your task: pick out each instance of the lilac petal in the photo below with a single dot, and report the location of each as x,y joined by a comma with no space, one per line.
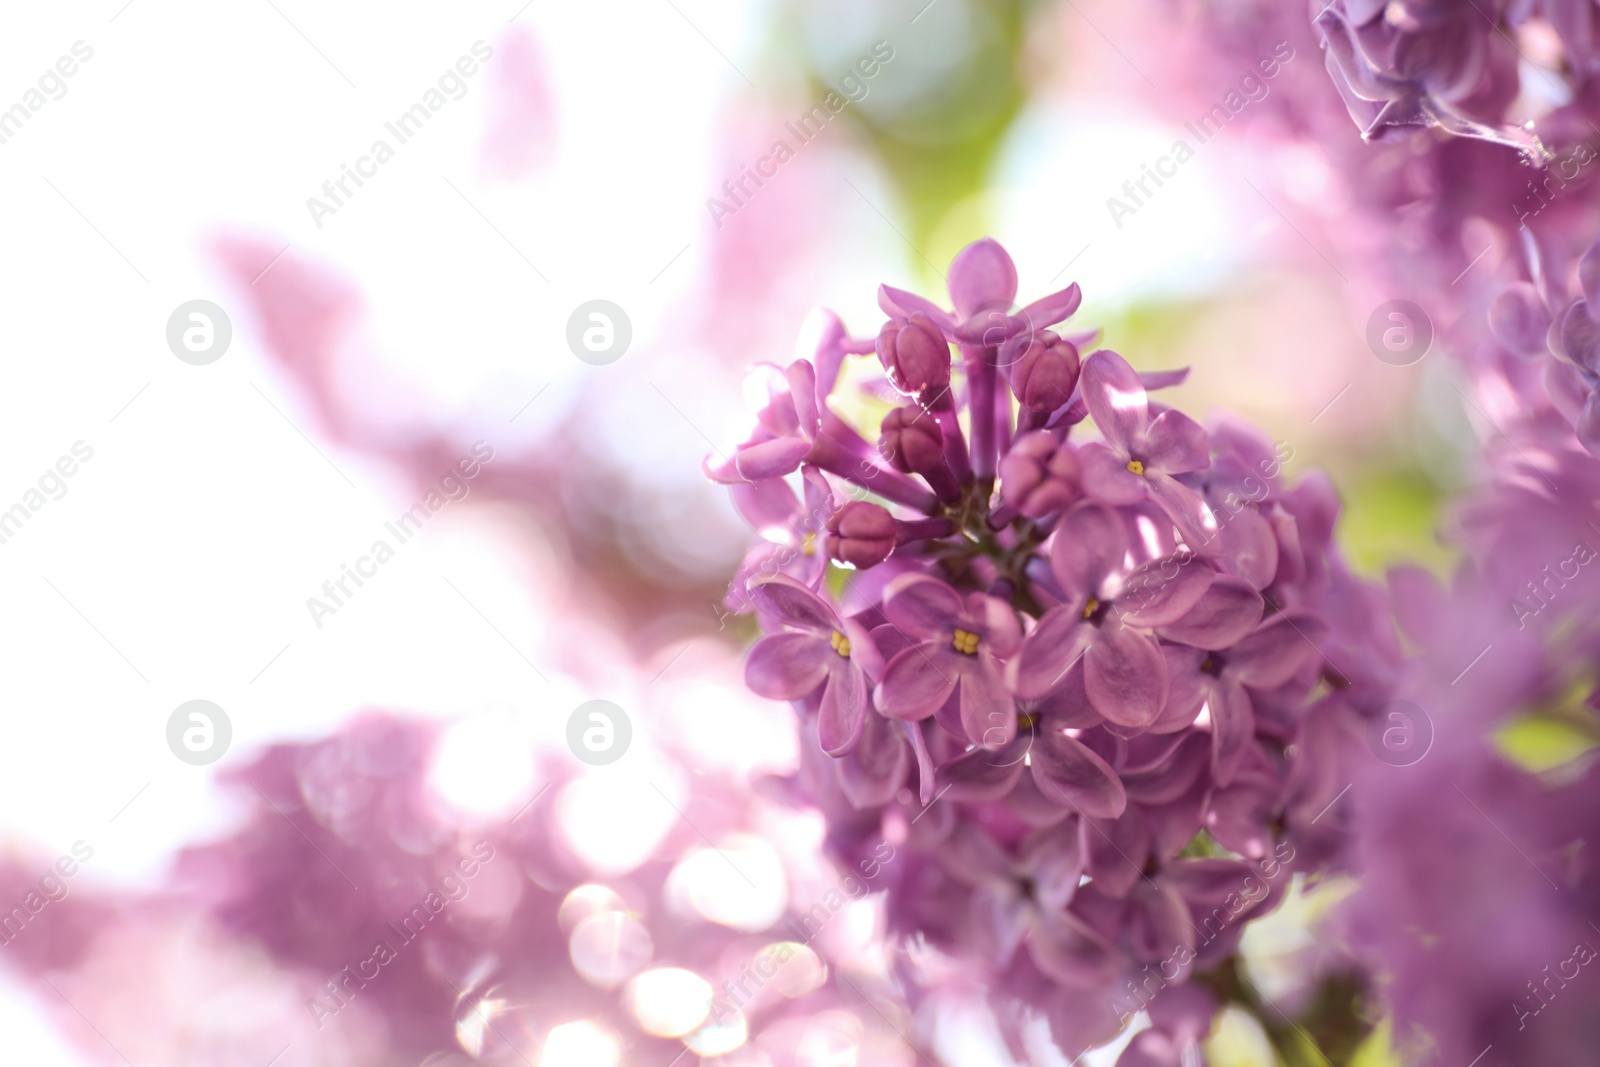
1184,1011
829,352
889,640
843,710
1116,850
1566,385
988,711
1106,476
1066,770
1067,705
771,459
1240,816
1033,808
1049,310
997,623
948,717
1125,676
1147,752
1188,513
787,666
1152,1048
1104,914
722,470
1000,918
1090,545
1050,652
820,501
762,561
1230,608
1186,688
1291,551
1054,860
1067,950
922,606
1589,273
1116,399
1165,592
1249,547
925,775
874,771
1588,425
1173,779
1206,883
802,378
901,304
1176,444
1233,728
1276,650
982,274
916,682
1163,379
793,604
972,857
1580,337
864,650
768,506
990,327
983,774
1174,824
1158,923
1519,321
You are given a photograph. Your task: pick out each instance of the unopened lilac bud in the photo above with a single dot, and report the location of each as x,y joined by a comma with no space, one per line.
1039,476
912,441
860,534
1043,370
916,356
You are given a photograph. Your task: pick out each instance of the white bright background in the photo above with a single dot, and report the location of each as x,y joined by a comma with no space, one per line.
178,562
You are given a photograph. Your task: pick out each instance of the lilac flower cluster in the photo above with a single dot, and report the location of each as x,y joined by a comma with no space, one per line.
1556,333
1455,66
1091,682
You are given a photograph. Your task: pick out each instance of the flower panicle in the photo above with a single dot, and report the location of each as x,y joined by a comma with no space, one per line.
1049,661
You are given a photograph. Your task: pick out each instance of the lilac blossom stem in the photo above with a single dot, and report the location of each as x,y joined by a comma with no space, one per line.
943,482
1002,418
955,442
980,401
906,531
1029,419
889,484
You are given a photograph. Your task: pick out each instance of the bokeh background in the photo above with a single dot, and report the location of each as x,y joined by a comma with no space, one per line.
375,345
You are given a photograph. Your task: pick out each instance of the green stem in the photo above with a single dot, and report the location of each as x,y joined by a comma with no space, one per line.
1328,1032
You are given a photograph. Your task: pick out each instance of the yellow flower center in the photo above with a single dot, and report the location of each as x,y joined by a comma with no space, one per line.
808,546
965,642
1025,720
1135,466
1091,607
840,643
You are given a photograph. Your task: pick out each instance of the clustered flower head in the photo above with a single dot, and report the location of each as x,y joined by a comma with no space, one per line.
1074,674
1551,324
1460,66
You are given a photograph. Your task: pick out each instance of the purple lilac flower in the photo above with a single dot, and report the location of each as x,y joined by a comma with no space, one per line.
1104,659
1140,455
818,650
957,644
